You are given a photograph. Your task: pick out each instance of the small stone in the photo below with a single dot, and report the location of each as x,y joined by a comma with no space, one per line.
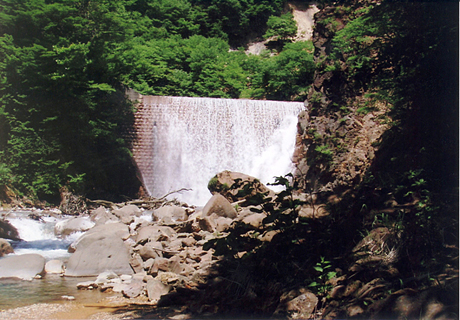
88,285
54,267
133,290
156,288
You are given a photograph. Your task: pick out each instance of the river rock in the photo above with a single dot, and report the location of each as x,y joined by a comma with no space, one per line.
231,185
206,224
127,213
219,205
8,231
72,225
255,219
156,288
25,266
133,289
117,229
298,304
154,233
54,267
102,216
151,250
98,251
137,263
302,307
170,214
108,276
5,247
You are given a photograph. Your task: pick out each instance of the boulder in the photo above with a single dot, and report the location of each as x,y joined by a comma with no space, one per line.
136,263
220,206
151,250
100,250
222,223
5,247
298,304
117,229
154,233
102,216
159,264
133,290
206,224
72,225
8,231
156,288
54,267
127,213
302,306
255,219
25,266
313,212
107,277
232,185
170,214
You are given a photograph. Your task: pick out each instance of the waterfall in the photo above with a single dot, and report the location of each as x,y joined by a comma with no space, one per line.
183,142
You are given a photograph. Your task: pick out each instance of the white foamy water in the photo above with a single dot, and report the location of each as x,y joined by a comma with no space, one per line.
276,159
38,237
183,142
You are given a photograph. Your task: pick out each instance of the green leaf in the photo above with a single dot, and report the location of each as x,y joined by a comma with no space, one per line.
318,268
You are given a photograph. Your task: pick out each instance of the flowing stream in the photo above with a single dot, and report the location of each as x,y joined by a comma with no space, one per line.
38,237
183,142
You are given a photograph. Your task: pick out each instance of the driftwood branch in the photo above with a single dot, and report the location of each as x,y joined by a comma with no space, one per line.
138,202
175,191
105,203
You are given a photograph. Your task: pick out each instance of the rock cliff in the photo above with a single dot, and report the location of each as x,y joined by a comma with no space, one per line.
338,135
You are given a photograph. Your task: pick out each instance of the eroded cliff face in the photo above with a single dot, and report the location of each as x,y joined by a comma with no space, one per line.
338,135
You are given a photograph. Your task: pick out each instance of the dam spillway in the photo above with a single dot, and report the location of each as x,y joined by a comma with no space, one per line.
182,142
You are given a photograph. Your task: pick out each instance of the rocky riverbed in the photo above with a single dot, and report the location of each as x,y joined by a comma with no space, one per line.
141,251
151,258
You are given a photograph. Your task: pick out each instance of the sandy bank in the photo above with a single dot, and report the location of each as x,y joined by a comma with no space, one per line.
109,309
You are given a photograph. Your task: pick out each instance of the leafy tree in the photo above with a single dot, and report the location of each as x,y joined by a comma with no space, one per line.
282,28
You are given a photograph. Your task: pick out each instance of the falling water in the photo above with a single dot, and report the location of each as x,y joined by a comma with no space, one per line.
183,142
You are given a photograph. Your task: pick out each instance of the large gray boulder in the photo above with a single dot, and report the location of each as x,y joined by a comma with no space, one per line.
219,205
102,216
233,186
128,213
100,249
121,230
72,225
170,214
25,266
154,233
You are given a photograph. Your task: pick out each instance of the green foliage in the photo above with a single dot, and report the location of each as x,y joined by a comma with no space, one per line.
64,67
324,274
286,76
282,27
324,153
213,183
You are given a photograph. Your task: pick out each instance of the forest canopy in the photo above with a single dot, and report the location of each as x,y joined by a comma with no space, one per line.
65,66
